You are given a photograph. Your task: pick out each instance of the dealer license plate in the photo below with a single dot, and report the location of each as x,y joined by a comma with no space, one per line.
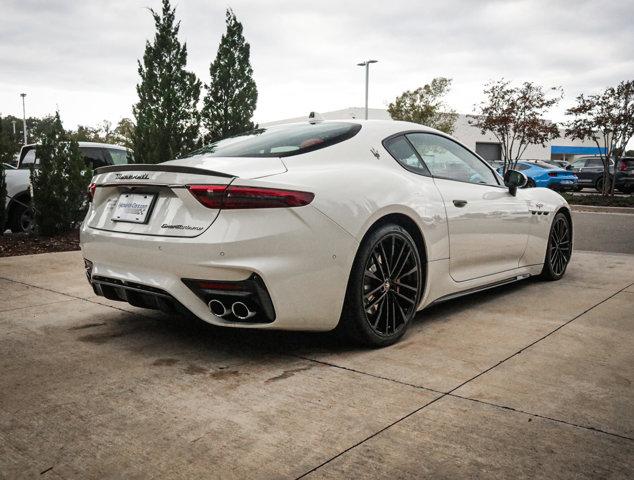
133,207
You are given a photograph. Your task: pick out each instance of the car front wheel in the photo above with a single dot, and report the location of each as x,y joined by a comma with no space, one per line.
21,218
384,288
559,249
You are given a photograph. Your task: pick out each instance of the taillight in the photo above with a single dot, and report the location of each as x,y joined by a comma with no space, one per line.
238,197
91,191
209,195
623,166
552,174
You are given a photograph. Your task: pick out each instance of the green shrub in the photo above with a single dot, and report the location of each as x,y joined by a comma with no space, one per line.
59,183
599,200
3,195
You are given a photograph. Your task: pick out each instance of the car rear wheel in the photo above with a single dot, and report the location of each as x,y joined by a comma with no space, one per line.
530,183
384,287
559,249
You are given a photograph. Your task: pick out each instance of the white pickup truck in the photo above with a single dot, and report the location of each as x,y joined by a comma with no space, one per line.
18,201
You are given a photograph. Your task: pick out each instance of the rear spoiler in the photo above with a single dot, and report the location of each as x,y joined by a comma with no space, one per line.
149,167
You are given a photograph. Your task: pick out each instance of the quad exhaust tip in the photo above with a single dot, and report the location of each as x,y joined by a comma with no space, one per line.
218,308
241,311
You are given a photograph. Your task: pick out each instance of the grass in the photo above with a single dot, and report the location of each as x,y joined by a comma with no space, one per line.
599,200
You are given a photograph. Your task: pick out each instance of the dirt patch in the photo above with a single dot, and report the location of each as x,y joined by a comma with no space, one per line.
287,374
87,325
13,244
223,374
164,362
100,338
193,369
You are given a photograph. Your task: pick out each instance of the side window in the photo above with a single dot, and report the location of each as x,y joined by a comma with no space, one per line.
446,159
594,162
93,157
520,166
29,159
579,163
404,153
118,157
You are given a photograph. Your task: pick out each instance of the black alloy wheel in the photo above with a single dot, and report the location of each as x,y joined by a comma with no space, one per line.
559,248
384,288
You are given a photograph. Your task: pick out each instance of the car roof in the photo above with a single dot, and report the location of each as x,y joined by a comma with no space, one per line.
378,127
89,144
101,145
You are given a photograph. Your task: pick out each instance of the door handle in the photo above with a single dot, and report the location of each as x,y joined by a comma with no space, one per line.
459,203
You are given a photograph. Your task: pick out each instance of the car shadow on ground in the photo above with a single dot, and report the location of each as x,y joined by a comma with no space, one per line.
156,334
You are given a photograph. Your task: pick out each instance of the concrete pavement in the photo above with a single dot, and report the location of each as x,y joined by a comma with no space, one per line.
530,380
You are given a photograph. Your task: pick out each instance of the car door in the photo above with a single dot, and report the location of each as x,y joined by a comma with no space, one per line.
488,227
592,171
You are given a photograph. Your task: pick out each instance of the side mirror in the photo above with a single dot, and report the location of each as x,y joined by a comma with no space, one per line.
514,180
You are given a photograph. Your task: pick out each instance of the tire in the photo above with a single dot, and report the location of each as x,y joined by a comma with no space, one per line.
21,219
598,185
530,183
384,288
578,189
559,248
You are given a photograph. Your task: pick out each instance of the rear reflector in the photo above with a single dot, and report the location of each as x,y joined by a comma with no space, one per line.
237,197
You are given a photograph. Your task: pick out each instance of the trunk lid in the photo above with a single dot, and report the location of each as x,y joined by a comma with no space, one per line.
159,194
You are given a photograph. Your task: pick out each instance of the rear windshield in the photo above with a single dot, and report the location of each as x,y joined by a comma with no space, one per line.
282,141
545,165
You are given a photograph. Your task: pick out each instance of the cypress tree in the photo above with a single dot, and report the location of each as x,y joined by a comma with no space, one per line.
59,182
232,94
5,157
166,114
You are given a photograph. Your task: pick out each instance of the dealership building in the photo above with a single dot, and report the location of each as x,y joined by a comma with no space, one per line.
486,145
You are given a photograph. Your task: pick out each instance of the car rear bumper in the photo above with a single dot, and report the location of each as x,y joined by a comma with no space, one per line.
624,180
302,258
561,185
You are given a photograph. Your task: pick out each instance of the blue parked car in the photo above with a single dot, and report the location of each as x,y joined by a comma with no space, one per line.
542,174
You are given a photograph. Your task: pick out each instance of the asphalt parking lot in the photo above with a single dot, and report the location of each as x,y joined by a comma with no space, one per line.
531,380
604,232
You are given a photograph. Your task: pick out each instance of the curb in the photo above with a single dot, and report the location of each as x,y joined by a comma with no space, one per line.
595,209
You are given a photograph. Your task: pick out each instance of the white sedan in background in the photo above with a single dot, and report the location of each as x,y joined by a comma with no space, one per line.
310,226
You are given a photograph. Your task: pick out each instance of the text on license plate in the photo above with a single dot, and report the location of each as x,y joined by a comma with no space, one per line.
133,207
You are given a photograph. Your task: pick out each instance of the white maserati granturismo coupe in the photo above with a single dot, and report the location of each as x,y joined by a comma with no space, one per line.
312,226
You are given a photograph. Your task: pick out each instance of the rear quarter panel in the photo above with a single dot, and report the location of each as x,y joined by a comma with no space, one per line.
357,191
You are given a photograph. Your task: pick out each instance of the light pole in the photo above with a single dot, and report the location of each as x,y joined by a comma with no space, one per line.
366,64
23,116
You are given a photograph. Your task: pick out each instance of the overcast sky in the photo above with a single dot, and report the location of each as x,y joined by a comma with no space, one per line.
80,55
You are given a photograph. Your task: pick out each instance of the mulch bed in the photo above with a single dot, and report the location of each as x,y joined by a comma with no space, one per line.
599,200
21,244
